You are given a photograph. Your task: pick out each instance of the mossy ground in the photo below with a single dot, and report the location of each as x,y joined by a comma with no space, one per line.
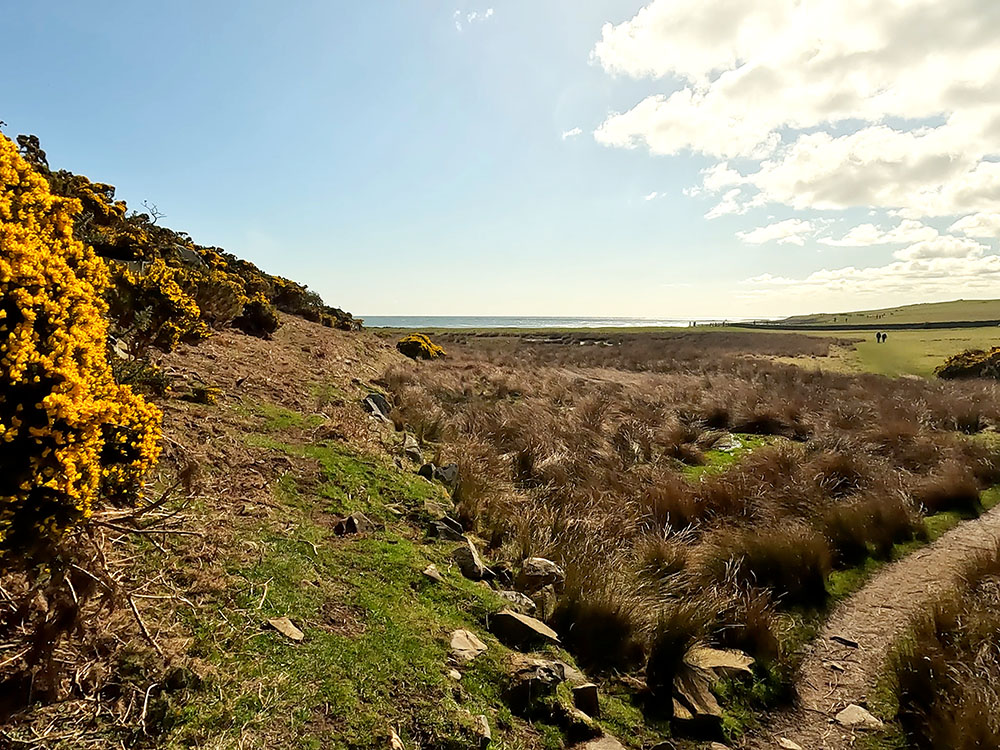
375,653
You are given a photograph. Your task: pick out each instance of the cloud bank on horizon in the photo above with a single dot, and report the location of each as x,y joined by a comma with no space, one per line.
820,107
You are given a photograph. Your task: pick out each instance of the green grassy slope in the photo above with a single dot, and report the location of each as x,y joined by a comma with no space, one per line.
933,312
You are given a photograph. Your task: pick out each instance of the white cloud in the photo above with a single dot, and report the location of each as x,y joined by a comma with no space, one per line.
911,86
650,196
571,133
866,235
787,232
942,247
471,17
978,225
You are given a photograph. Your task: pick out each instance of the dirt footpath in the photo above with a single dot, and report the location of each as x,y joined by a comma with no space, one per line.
835,675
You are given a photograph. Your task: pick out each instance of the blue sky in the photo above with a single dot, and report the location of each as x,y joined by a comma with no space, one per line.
400,165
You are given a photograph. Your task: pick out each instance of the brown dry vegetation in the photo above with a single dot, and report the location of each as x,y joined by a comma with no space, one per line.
586,449
946,676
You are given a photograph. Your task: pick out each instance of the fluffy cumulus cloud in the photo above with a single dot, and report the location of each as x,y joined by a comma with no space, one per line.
826,105
787,232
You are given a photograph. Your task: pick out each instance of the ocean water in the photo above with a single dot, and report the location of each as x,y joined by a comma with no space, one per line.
476,321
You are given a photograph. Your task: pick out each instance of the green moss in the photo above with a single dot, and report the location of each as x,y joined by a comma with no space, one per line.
719,461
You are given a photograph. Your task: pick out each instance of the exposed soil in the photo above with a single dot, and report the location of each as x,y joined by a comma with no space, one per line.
834,675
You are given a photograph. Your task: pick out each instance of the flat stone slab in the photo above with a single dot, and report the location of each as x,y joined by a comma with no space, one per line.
466,646
517,629
284,626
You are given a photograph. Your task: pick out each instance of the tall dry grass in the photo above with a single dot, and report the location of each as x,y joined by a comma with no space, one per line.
587,451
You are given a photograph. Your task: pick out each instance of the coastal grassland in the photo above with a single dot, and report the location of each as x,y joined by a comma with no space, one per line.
695,489
932,312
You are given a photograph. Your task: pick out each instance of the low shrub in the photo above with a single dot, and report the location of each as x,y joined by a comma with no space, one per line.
259,318
953,486
419,346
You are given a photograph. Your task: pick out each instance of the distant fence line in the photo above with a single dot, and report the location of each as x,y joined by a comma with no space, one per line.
869,326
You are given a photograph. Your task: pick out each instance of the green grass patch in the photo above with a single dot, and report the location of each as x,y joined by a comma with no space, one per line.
718,461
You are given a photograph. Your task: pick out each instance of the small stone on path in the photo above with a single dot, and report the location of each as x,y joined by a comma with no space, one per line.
844,641
284,626
856,716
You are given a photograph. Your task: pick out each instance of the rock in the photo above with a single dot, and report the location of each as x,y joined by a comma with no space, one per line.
433,573
356,523
576,724
411,449
532,681
537,572
454,674
438,509
377,405
466,646
854,716
482,727
786,744
427,471
844,641
723,662
518,601
692,687
607,742
585,698
668,745
394,742
520,630
284,626
449,529
447,474
545,600
727,444
189,257
680,713
573,676
468,561
717,746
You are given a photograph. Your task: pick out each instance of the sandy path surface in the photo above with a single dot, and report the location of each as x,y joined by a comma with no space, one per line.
873,618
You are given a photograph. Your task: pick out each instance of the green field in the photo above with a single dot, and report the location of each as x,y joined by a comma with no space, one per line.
915,352
933,312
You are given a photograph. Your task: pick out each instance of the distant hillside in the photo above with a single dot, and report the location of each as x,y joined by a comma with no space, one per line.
933,312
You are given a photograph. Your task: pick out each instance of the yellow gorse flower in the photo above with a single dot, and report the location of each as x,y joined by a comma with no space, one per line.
68,433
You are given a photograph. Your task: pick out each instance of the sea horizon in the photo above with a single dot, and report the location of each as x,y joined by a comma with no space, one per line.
529,321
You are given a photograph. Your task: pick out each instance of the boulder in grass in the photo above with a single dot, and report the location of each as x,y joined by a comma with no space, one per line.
466,646
520,631
411,449
537,572
467,558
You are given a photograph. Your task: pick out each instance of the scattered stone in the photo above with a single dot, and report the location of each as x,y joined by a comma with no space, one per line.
585,698
518,601
693,688
438,509
607,742
377,405
717,746
411,449
576,724
573,676
727,444
427,471
836,666
723,662
284,626
681,713
394,742
844,641
537,572
468,561
520,630
786,744
545,600
455,674
855,716
483,731
532,681
356,523
447,474
448,529
433,573
466,646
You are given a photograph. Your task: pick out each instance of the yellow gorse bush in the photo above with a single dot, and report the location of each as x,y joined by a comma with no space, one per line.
68,433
